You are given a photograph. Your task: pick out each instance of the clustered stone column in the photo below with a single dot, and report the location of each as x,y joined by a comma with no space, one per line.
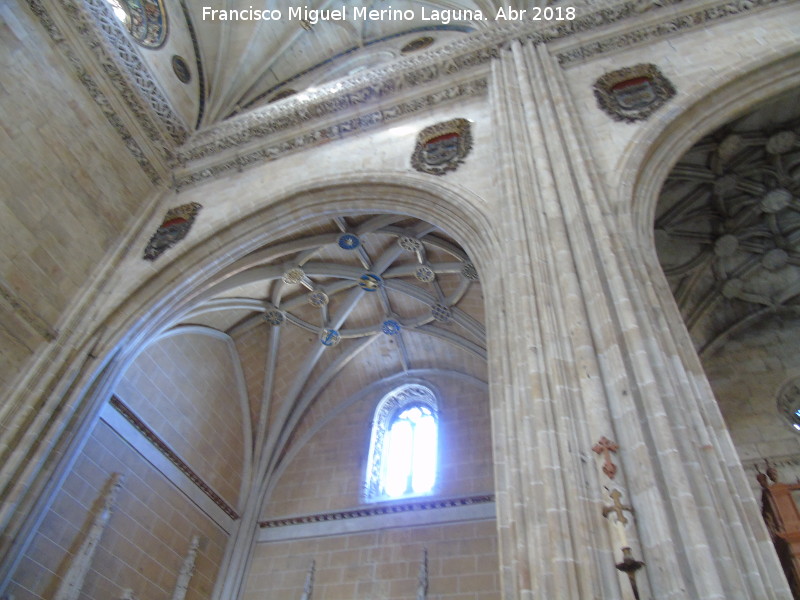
579,353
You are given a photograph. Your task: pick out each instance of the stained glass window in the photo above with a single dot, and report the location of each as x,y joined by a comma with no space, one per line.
146,20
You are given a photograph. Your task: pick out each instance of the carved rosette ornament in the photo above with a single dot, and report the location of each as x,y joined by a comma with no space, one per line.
177,223
442,147
633,93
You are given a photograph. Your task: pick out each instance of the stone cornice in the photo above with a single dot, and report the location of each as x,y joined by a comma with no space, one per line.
131,77
380,509
152,437
276,147
266,133
701,17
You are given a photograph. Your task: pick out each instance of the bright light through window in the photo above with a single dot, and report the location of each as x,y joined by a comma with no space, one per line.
411,453
119,12
404,444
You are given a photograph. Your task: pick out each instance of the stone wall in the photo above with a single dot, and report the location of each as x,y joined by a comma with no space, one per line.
70,190
462,564
747,374
186,388
144,544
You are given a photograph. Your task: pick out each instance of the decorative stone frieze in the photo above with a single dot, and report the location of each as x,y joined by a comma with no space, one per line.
170,454
383,509
673,25
138,87
277,149
93,89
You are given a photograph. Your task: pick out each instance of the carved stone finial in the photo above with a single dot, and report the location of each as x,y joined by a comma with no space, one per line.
422,577
308,588
72,582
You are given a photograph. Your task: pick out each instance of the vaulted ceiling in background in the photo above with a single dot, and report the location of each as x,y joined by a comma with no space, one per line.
249,53
727,228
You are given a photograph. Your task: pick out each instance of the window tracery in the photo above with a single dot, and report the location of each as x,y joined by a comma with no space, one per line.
404,444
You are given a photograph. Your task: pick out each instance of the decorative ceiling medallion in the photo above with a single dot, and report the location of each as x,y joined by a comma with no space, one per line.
177,223
469,272
390,327
442,147
442,313
274,317
409,244
781,142
318,299
349,241
369,282
789,402
293,276
329,337
181,69
418,44
424,274
633,93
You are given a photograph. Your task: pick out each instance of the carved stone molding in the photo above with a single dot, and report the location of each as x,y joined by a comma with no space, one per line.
125,69
698,19
150,108
170,454
384,509
316,137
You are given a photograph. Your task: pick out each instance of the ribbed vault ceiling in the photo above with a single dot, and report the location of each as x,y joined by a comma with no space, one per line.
248,62
370,296
728,223
248,53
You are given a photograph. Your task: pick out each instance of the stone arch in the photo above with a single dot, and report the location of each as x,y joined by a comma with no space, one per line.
135,321
651,156
653,151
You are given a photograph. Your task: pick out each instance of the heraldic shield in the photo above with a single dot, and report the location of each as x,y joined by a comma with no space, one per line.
442,147
177,223
633,93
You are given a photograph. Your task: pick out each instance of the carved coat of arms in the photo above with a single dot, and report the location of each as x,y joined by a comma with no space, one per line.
633,93
177,223
442,147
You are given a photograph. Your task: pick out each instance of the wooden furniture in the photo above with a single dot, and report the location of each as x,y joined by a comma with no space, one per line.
779,505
